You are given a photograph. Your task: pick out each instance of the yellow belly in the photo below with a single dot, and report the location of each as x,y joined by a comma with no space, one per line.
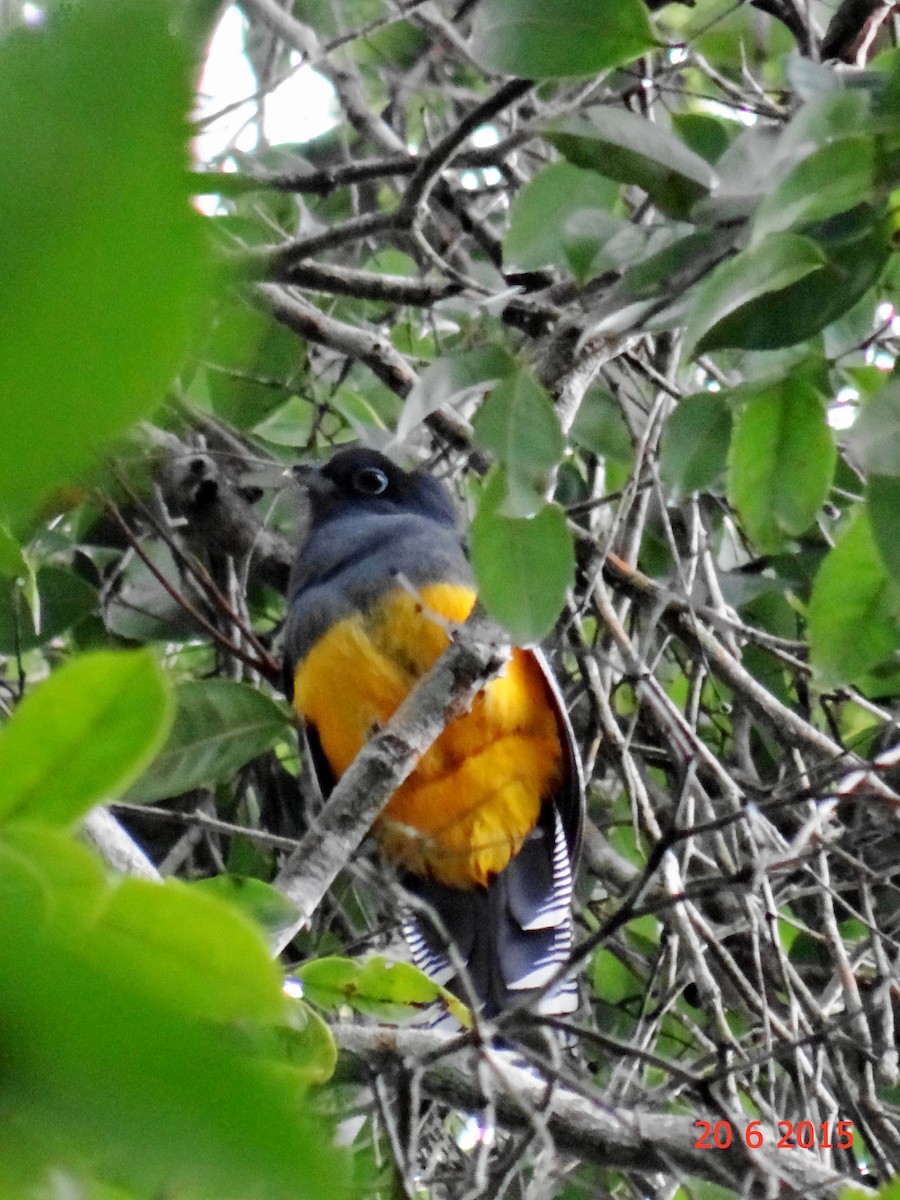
476,794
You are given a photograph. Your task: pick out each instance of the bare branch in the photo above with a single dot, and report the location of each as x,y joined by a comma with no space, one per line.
374,351
580,1123
367,285
103,833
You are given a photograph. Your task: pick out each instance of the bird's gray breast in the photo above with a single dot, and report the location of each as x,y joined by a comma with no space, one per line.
347,564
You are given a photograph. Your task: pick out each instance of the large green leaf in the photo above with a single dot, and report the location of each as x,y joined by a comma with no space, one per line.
540,210
673,267
695,441
595,241
789,287
154,932
63,599
874,440
601,427
82,736
451,379
524,566
220,726
249,356
630,149
782,462
831,180
306,1046
102,255
853,609
612,980
393,991
519,425
261,902
770,268
290,425
537,40
12,559
124,1077
883,500
705,134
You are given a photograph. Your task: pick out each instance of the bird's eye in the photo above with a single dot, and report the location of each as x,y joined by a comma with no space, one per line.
370,481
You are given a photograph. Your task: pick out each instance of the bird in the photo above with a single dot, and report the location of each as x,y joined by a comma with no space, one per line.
486,830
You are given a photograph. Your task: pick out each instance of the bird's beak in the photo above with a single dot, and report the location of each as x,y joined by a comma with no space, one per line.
311,479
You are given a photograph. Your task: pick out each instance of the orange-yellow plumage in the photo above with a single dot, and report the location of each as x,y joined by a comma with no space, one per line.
476,794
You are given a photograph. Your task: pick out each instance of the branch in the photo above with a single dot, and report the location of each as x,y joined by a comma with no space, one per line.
103,833
303,38
580,1123
266,666
322,181
437,158
374,351
274,262
367,285
781,719
478,653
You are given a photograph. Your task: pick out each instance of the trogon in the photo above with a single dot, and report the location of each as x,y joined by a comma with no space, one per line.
486,829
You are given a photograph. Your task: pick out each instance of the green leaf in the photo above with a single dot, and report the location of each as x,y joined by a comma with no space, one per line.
524,566
519,425
695,441
220,726
662,273
853,609
290,425
782,462
834,178
883,502
128,1079
706,135
307,1046
82,736
60,879
592,240
874,440
601,427
612,981
140,608
536,40
261,902
389,990
630,149
789,287
540,209
825,117
12,560
63,599
154,932
329,982
759,272
92,171
253,365
787,929
451,379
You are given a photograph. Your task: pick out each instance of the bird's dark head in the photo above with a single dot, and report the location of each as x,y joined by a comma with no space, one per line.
366,481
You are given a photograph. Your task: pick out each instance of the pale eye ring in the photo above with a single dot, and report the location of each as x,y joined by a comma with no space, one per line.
370,481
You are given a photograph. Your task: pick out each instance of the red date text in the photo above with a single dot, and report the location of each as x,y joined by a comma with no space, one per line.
718,1135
